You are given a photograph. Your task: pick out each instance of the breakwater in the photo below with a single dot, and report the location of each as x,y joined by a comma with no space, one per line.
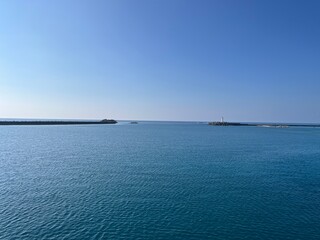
58,122
276,125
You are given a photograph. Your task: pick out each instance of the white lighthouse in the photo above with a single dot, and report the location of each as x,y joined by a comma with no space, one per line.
222,120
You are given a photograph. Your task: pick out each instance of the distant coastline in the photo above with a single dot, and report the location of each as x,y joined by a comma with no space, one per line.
58,122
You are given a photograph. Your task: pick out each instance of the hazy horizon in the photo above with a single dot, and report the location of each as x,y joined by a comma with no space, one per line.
249,61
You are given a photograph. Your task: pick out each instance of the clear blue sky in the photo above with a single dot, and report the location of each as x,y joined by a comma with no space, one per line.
160,59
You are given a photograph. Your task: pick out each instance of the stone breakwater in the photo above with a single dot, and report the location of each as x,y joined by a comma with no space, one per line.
51,122
277,125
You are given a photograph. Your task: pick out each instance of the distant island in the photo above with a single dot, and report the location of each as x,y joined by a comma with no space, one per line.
58,122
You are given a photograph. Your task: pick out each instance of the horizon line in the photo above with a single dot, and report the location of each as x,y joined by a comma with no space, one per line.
153,120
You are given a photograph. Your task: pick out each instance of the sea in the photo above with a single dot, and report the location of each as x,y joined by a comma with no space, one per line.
155,180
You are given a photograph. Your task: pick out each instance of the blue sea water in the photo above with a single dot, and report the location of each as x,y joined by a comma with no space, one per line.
159,181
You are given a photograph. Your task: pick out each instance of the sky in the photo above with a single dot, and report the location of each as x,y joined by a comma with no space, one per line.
184,60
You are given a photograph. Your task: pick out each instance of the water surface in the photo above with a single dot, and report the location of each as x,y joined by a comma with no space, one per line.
159,181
